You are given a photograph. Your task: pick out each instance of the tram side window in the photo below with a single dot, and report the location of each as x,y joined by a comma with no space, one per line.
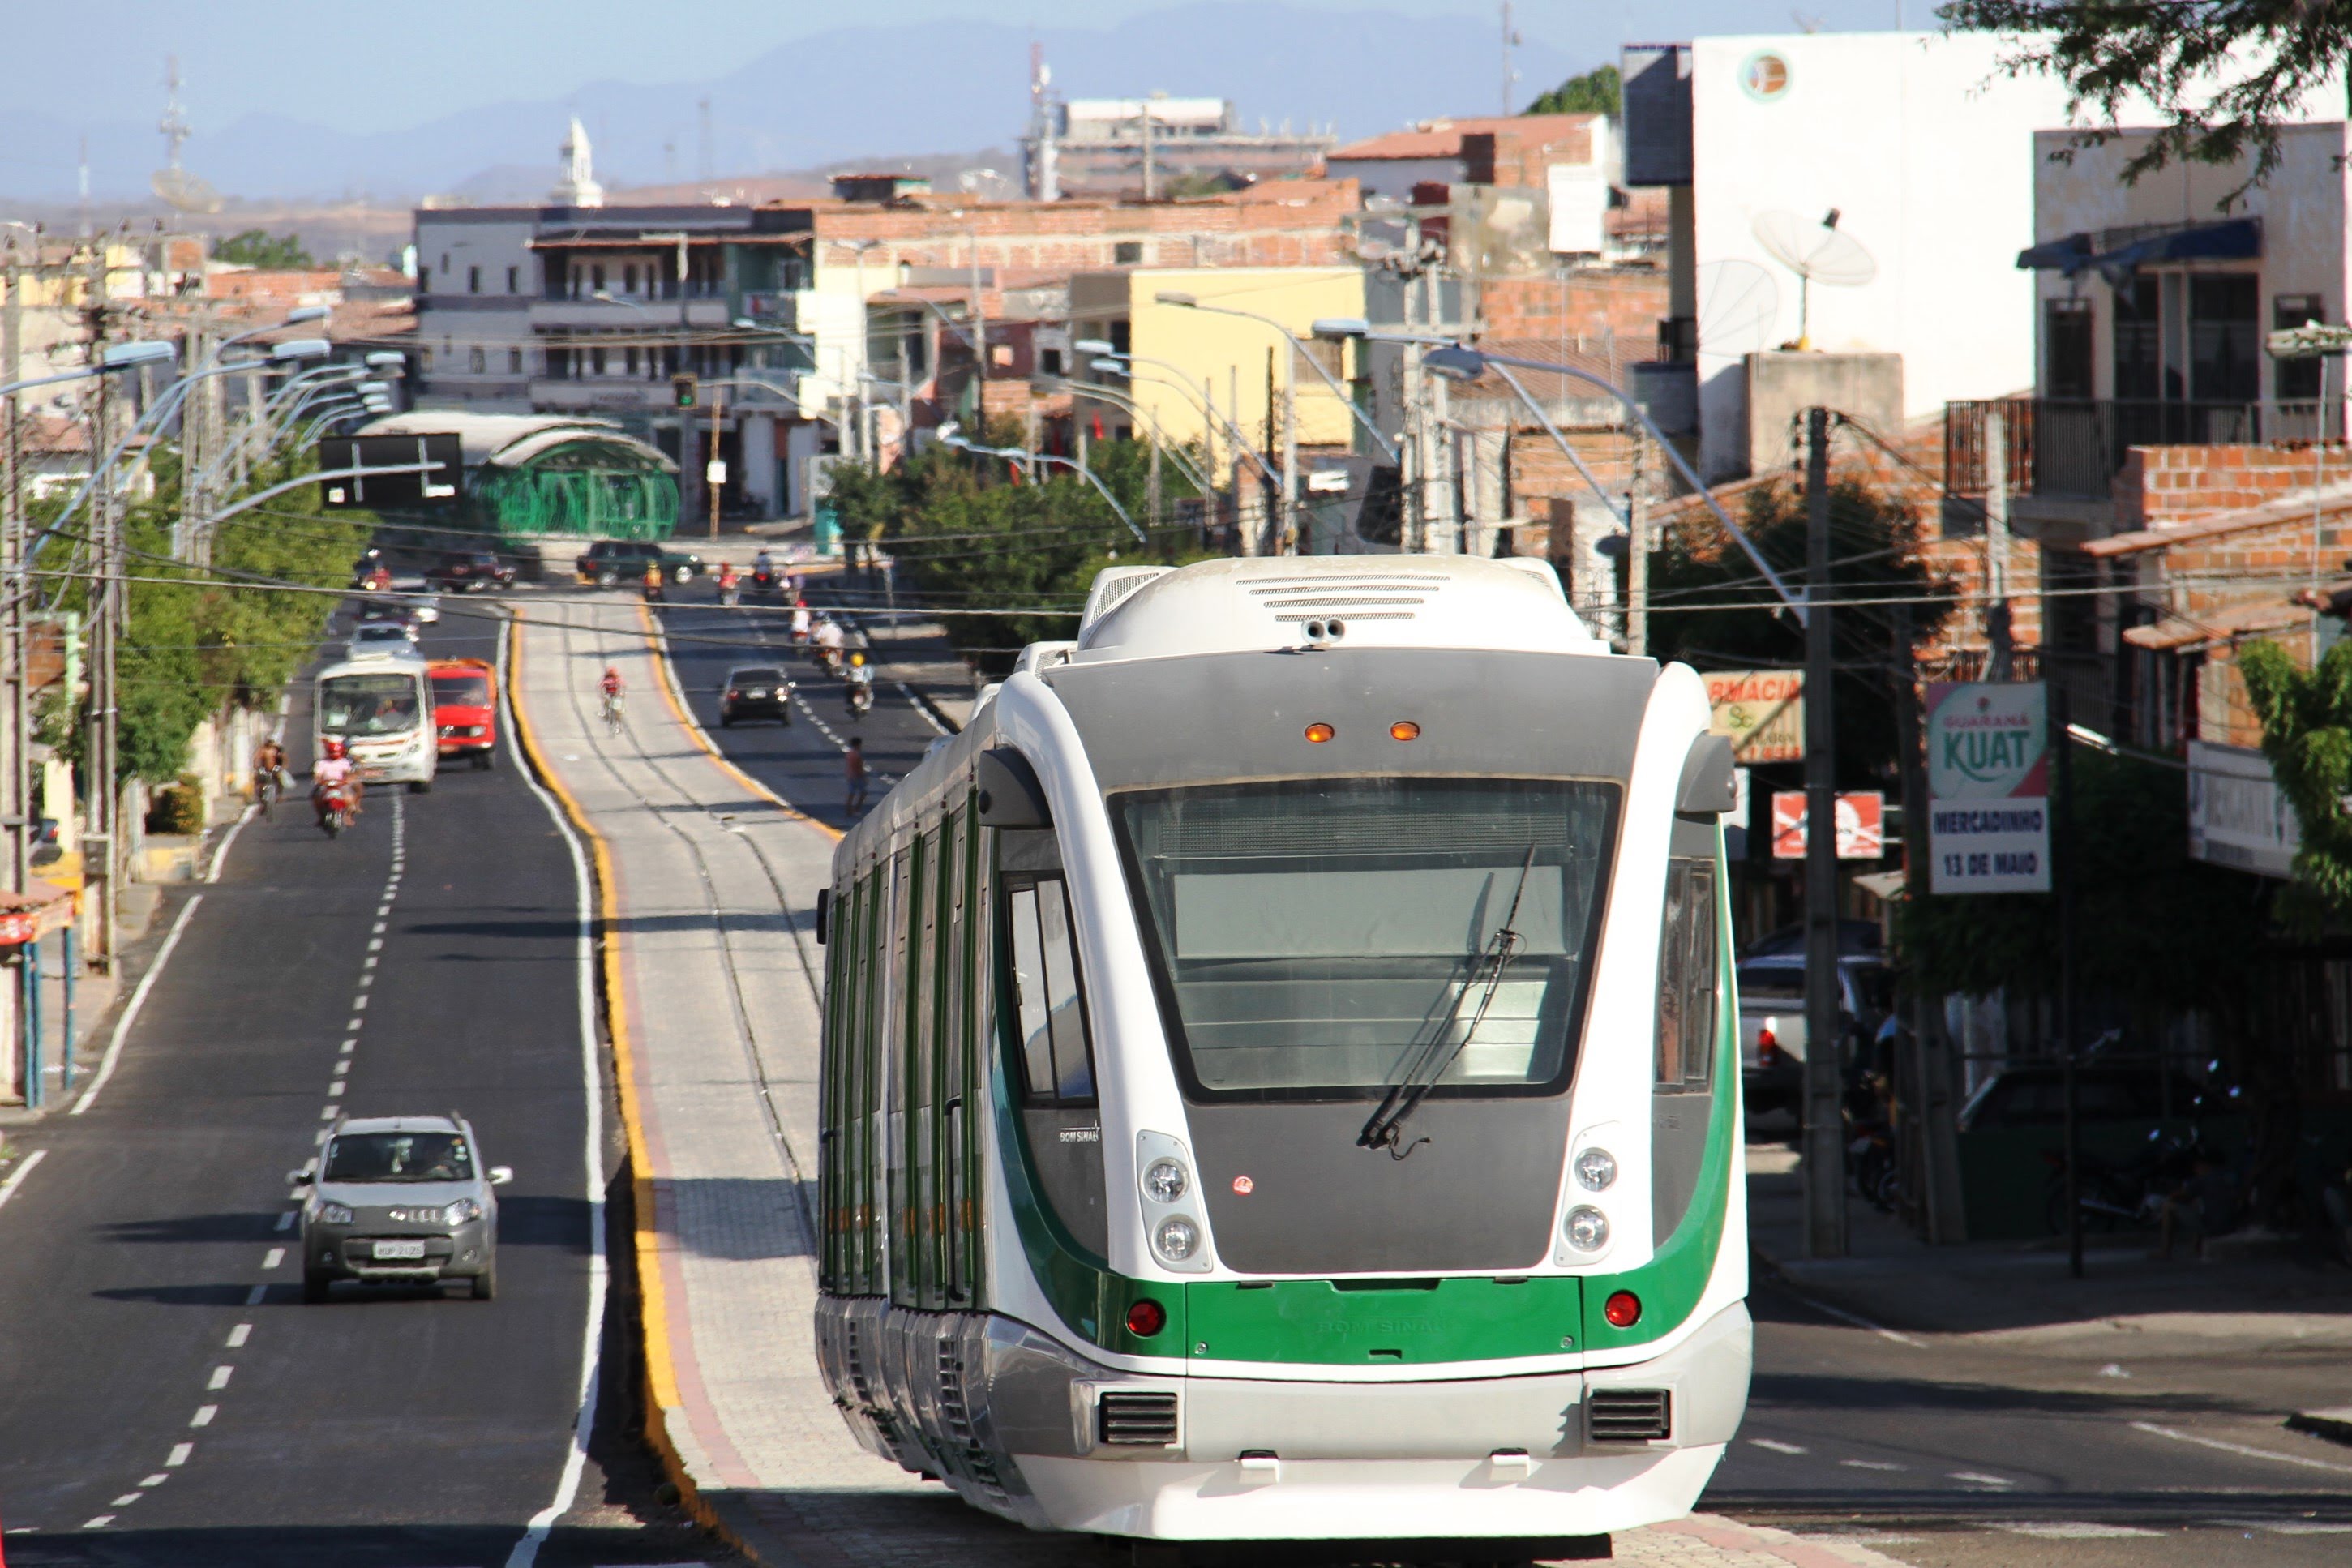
1688,965
1055,1060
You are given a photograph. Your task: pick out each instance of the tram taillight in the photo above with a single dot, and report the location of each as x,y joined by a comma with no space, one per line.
1146,1318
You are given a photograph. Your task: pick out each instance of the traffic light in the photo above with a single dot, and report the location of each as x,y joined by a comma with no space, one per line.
685,390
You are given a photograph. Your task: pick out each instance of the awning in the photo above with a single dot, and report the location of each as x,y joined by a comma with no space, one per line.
2234,240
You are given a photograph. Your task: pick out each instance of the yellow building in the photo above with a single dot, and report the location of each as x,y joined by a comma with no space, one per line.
1186,355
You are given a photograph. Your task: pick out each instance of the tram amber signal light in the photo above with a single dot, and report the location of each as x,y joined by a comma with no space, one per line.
1146,1318
1623,1309
1404,730
1319,733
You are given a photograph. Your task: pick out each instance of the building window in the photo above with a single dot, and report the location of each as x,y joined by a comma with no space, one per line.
514,279
473,279
1122,336
2066,348
425,361
477,361
629,361
2295,380
629,278
597,280
1126,253
2139,363
2225,339
514,362
596,361
1049,361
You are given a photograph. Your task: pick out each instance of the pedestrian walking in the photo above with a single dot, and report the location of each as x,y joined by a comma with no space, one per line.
853,767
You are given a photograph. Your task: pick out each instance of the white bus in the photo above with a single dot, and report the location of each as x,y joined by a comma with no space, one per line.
382,708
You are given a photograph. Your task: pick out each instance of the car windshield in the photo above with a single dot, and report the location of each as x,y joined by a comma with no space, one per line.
758,677
461,691
367,705
400,1157
1771,982
381,631
1310,938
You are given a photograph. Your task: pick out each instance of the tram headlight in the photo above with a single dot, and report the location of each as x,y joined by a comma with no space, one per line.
1595,1169
1165,1181
1176,1238
1586,1228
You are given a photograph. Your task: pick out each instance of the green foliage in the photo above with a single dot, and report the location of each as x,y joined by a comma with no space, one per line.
1872,557
1597,92
254,248
179,809
2306,720
2220,76
968,537
200,643
2152,927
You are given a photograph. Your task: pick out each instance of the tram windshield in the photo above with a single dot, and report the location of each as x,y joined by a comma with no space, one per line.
1314,938
383,703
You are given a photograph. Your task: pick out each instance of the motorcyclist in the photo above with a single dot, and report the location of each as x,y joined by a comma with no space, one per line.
801,621
828,639
727,582
653,580
764,564
859,679
333,771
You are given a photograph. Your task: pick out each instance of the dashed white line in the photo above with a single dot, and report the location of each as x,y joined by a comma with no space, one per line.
1977,1478
1780,1447
1859,1321
24,1167
917,704
157,1479
180,1452
360,1002
326,1114
341,1068
100,1522
377,931
219,1379
1870,1465
368,962
354,1024
273,1257
253,1297
2250,1453
2068,1528
336,1088
376,944
286,1220
204,1416
127,1499
239,1335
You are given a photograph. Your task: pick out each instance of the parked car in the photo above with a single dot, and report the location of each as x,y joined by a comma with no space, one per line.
401,1200
611,561
755,691
2035,1096
470,571
1772,1032
383,639
466,710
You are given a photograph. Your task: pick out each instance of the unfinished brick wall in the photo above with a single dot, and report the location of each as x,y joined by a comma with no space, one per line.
1588,310
2160,485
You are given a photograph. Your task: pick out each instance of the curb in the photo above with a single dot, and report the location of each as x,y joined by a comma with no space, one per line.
660,1391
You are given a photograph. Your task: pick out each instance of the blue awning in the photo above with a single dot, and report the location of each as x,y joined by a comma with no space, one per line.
2234,240
2069,255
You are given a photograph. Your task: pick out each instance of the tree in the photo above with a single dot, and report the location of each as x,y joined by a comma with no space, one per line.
2306,717
254,248
1597,92
2221,74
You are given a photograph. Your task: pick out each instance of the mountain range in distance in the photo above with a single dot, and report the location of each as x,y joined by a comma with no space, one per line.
832,97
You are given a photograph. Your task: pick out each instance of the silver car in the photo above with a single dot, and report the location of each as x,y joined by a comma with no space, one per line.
401,1200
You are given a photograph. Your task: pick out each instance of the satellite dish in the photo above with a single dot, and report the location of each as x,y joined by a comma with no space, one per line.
185,191
1817,253
1738,307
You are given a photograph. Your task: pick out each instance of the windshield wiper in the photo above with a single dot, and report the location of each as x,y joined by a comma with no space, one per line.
1385,1130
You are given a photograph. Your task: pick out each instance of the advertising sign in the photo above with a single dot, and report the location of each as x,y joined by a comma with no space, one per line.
1989,786
1861,824
2238,816
340,453
1763,711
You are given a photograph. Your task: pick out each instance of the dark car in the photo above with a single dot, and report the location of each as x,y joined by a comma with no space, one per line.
469,570
755,691
611,561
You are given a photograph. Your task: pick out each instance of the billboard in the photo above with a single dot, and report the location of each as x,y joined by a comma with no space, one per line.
2238,816
1762,710
1989,786
1861,824
436,489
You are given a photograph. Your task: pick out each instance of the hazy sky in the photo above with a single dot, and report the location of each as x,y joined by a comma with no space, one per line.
367,68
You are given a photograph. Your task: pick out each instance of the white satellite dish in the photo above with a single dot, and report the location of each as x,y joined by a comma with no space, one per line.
1738,305
184,191
1817,253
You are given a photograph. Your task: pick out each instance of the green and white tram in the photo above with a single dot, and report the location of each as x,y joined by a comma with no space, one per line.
1280,1078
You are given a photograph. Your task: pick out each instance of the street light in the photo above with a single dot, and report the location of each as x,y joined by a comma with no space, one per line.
1211,418
1298,347
388,359
1117,400
947,436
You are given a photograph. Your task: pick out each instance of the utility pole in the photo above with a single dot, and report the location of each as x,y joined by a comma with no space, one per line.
1150,184
711,481
2001,647
1824,1132
979,347
1637,553
1934,1105
14,661
2062,812
1245,525
1289,528
105,795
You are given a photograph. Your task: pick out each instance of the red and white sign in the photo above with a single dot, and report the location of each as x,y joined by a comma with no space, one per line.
1861,824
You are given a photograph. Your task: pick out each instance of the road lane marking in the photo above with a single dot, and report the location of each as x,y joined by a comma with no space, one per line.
180,1452
127,1499
286,1220
239,1335
253,1297
368,962
917,704
335,1089
1859,1321
157,1479
220,851
327,1113
354,1024
219,1378
16,1176
348,1046
1978,1478
360,1002
106,1064
376,944
377,931
342,1068
100,1522
2068,1528
2250,1453
273,1257
204,1416
1780,1447
1870,1465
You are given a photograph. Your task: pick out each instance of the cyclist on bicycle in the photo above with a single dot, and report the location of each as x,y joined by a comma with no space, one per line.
615,695
612,682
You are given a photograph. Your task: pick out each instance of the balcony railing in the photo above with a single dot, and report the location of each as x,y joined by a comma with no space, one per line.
2072,449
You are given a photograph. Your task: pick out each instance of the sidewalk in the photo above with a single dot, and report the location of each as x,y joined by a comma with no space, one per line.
710,975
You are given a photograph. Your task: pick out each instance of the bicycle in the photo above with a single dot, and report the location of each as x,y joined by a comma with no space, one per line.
616,708
268,789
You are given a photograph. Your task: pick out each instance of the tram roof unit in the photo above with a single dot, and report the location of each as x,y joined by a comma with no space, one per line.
1266,604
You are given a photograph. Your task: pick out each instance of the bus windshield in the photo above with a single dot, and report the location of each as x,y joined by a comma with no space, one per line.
374,704
1314,937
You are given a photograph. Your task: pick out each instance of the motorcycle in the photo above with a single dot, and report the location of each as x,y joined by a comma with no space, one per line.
830,657
334,805
861,698
730,593
764,590
654,591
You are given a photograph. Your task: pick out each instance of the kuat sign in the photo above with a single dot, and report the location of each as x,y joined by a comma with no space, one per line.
1989,786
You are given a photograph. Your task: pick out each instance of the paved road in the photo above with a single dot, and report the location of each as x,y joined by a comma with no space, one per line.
165,1395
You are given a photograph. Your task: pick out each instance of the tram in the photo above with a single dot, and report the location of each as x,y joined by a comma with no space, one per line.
1279,1075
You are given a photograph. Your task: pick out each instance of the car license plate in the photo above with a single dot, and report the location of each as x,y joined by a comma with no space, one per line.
755,691
399,1251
